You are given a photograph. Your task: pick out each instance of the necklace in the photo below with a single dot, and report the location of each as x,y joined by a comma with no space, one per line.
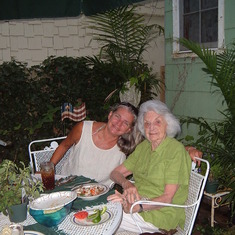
100,128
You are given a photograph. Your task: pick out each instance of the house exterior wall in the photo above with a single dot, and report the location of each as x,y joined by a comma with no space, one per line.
188,88
32,41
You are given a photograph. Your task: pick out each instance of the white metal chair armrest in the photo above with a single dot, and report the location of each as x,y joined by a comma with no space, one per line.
197,184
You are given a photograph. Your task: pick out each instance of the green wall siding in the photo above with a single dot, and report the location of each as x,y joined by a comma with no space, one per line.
188,88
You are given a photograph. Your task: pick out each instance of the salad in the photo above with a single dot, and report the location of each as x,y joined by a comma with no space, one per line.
94,217
92,190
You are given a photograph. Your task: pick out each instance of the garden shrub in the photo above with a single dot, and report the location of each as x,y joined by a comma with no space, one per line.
15,92
31,98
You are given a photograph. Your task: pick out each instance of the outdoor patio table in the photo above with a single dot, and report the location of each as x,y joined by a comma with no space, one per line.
68,226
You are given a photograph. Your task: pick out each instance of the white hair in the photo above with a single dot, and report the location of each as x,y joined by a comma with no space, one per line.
173,125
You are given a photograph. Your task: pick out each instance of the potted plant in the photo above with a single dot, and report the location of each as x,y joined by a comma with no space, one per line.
17,187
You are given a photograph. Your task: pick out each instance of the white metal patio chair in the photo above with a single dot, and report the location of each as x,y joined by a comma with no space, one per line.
196,189
42,150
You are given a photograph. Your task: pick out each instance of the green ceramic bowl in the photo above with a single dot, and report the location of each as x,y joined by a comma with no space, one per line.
51,209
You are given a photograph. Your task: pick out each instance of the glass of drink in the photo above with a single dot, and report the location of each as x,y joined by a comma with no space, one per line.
48,175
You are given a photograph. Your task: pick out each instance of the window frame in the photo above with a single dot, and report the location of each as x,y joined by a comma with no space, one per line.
176,26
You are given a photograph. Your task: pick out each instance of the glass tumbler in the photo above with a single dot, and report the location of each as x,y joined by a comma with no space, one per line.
48,175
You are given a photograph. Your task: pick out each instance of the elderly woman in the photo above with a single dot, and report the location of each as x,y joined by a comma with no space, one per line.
161,169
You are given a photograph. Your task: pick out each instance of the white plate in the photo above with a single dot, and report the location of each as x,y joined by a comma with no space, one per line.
32,233
105,217
79,188
53,201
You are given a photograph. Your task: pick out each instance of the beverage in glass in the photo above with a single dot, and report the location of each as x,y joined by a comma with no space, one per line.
48,175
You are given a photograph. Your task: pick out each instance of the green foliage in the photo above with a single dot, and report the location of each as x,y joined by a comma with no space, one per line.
124,36
30,100
65,77
15,96
13,179
105,78
57,80
214,141
219,137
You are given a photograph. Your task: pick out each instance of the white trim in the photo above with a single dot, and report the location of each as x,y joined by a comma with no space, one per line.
221,14
176,25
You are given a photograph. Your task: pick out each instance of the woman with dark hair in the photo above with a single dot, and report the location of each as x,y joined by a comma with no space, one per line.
98,147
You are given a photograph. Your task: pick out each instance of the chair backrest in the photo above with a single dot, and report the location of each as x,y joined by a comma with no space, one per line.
197,184
42,150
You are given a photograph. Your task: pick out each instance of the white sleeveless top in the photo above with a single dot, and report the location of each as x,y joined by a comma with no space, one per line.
90,161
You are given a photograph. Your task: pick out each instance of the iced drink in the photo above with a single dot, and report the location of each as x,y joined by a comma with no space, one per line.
48,175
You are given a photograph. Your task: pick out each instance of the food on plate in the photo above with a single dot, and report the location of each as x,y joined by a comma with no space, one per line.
103,210
87,191
94,217
81,215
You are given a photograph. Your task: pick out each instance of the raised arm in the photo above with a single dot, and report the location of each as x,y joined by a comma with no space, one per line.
72,138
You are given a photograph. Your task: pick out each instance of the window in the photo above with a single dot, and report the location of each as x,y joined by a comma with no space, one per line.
201,21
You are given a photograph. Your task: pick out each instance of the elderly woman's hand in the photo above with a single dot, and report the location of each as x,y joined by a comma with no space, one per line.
193,152
130,192
118,197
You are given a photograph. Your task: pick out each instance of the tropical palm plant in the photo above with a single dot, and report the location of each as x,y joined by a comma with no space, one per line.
219,137
124,36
